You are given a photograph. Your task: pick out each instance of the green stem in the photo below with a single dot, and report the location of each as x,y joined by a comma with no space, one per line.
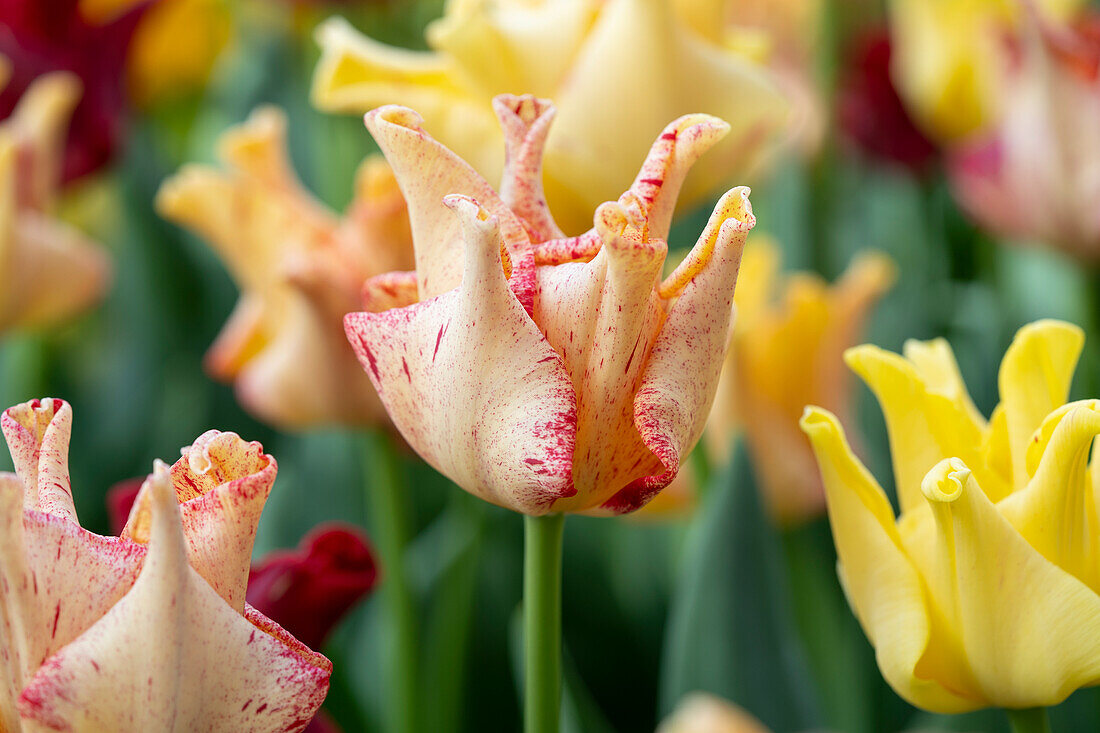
1030,720
542,622
388,505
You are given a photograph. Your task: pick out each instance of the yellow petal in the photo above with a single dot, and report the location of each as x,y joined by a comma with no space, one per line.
1034,379
883,587
1056,511
1031,631
38,126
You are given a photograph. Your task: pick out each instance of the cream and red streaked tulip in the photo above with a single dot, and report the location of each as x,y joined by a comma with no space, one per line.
617,71
785,353
81,612
49,272
984,591
1033,177
300,268
543,373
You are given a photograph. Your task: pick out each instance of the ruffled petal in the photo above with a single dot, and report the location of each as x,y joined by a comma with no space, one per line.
603,317
1056,511
221,483
38,438
526,122
1034,379
57,579
110,678
471,382
681,374
1031,631
427,171
881,583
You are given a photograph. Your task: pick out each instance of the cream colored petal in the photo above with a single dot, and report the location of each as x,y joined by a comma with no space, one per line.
639,68
374,235
426,172
1056,511
221,483
471,382
171,655
1030,630
1034,379
681,374
700,712
57,580
883,587
38,126
924,425
38,438
499,47
603,318
526,121
391,290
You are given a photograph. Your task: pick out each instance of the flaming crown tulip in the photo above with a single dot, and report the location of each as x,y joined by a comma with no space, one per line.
79,609
984,592
782,357
1035,175
570,378
300,269
48,270
618,71
950,58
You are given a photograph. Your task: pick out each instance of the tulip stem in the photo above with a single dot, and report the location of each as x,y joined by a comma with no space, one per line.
542,622
389,511
1030,720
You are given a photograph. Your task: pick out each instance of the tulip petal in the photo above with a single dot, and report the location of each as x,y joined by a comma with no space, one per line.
603,318
1047,644
883,586
526,121
38,125
640,51
221,483
389,290
927,417
1056,511
109,678
505,431
681,375
45,604
38,438
1034,379
427,171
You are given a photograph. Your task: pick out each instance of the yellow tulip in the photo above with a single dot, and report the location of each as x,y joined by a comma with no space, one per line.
617,72
300,268
984,591
784,354
48,270
950,58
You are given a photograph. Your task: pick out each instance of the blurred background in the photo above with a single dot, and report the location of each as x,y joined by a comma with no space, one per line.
904,137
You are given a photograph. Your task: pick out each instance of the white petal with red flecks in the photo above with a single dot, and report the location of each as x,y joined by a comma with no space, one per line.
471,382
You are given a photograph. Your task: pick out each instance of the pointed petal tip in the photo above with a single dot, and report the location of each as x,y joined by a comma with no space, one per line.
698,124
331,31
817,421
944,484
527,107
393,115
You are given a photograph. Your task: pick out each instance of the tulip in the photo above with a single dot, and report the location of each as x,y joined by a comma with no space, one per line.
785,354
48,271
1034,175
309,589
300,268
53,35
950,59
872,114
79,609
618,71
701,712
174,47
984,592
601,374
